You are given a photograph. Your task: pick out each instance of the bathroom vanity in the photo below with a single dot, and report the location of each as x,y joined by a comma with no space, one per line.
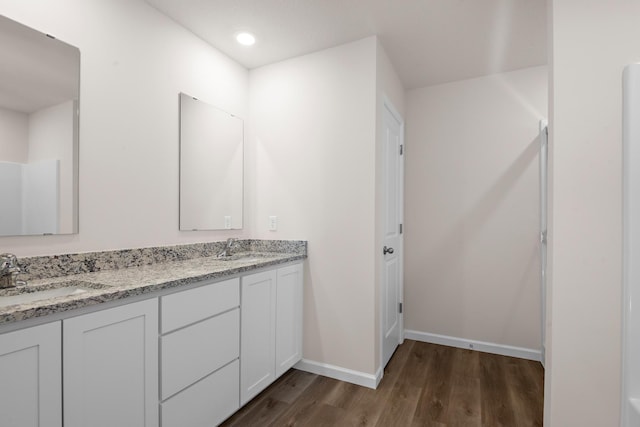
180,343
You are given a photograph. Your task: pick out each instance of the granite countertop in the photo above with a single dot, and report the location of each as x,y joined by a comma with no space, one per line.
116,284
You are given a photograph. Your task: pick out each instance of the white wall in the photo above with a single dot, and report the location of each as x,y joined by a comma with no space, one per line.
134,63
14,136
471,208
592,41
313,140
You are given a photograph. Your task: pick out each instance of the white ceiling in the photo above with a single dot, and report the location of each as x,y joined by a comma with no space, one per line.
429,41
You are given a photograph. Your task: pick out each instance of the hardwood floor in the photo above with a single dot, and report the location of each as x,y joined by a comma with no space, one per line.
423,385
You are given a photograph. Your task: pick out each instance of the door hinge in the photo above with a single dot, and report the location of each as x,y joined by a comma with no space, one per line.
400,228
399,307
401,149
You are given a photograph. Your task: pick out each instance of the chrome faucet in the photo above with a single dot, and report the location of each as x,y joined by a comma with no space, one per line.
229,246
9,271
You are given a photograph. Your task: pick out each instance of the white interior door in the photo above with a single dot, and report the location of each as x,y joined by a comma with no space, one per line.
391,293
543,230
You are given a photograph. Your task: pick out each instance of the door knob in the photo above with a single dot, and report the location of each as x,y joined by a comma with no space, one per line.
387,250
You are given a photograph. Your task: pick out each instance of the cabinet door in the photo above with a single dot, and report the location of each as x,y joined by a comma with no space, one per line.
111,367
288,318
258,323
30,377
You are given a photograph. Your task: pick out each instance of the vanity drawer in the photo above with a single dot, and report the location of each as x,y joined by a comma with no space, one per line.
206,403
190,306
194,352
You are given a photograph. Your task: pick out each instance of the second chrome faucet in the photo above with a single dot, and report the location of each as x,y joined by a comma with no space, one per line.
231,245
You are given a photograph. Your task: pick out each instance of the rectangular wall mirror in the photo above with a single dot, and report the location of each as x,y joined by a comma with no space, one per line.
211,167
39,95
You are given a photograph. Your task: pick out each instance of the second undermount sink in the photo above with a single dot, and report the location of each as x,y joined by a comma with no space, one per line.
28,294
241,257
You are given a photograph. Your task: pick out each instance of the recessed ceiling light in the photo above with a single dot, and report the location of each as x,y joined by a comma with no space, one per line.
245,39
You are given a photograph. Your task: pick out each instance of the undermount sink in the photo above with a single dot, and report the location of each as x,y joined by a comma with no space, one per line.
232,258
241,258
28,294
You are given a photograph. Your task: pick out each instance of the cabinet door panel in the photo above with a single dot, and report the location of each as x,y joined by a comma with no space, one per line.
258,334
288,318
206,403
194,352
111,367
30,377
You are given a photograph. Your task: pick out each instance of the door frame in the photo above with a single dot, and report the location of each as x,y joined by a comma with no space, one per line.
388,105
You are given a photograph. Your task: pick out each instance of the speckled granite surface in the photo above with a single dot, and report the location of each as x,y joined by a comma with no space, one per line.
116,275
89,262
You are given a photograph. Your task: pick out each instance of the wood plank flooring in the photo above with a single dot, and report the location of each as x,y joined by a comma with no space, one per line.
423,385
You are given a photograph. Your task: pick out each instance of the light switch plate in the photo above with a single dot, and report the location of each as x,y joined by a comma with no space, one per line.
227,222
273,223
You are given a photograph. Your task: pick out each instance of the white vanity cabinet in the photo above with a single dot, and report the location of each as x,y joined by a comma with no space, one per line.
271,322
30,377
200,349
110,367
215,347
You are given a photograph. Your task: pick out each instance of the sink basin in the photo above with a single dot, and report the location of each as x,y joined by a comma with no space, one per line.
241,258
28,294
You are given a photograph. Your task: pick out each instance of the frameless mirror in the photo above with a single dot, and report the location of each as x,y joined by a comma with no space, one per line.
211,167
39,93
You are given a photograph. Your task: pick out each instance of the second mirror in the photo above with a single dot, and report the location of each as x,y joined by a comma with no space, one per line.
211,167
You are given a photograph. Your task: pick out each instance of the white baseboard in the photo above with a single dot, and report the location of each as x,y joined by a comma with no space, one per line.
486,347
339,373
